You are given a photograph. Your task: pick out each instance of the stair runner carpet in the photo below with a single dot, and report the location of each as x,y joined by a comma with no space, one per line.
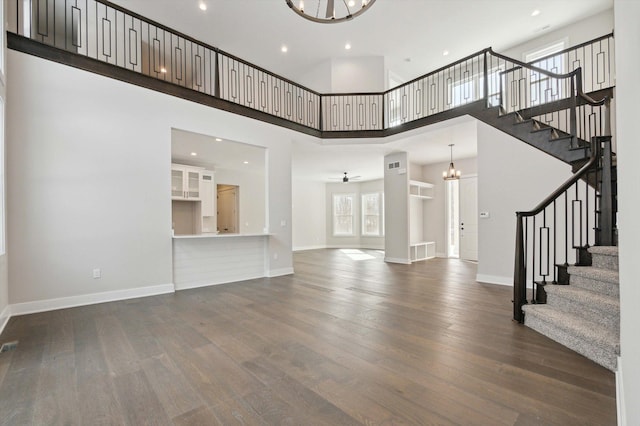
584,315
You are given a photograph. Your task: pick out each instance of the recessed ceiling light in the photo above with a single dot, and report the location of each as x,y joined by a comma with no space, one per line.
347,46
193,154
203,6
352,3
245,162
445,53
218,140
284,49
535,13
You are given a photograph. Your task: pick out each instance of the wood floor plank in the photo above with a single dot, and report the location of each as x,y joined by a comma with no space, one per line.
56,399
340,342
173,390
140,404
98,402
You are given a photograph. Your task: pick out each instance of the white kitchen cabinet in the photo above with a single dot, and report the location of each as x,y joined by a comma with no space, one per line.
185,182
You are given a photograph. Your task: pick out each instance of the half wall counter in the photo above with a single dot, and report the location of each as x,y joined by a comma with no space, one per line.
208,259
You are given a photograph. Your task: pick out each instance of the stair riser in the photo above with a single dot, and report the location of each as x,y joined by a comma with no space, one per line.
606,317
602,287
605,262
605,356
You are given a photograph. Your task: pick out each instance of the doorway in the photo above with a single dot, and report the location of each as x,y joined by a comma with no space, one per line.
469,218
462,218
227,197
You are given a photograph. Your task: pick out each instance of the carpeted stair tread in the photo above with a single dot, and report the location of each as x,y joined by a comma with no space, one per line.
600,308
605,275
594,341
604,250
586,297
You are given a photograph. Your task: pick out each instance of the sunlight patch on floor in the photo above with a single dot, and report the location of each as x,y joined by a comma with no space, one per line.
355,254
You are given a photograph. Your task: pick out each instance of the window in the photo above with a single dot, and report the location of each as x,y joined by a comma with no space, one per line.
371,214
462,93
343,214
543,88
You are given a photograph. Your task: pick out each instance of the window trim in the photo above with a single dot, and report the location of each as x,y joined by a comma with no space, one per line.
352,215
380,231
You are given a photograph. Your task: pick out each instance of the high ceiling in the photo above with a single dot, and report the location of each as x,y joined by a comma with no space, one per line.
411,35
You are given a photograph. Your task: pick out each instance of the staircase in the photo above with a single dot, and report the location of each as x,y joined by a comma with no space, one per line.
584,315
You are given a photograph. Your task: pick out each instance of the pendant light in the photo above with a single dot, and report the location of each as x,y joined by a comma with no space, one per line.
452,173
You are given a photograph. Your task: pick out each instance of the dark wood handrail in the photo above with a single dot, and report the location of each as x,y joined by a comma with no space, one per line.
566,185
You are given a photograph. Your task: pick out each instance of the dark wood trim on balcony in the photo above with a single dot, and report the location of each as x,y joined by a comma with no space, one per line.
35,48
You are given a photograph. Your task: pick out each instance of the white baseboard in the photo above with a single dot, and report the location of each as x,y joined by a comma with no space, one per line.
494,279
88,299
279,272
187,286
303,248
620,407
5,316
397,260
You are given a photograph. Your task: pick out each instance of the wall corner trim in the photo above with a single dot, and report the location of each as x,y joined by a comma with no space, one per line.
493,279
88,299
396,260
280,272
622,419
5,316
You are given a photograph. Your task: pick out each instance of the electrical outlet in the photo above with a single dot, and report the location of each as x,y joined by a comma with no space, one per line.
97,273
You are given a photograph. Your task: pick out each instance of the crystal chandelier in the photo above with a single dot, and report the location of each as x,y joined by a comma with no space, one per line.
330,11
452,173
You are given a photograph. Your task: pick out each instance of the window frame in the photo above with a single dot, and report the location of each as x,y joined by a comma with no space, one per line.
334,215
363,213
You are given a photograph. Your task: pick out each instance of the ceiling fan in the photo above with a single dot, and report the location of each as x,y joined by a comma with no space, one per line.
346,178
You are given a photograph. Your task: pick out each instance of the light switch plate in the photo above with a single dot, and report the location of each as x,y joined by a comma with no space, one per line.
484,215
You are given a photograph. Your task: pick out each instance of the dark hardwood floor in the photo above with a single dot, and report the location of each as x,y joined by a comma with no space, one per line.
341,342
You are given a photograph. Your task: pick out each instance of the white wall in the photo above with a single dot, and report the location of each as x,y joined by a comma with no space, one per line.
628,93
576,33
435,222
4,280
309,219
318,77
512,176
89,170
358,74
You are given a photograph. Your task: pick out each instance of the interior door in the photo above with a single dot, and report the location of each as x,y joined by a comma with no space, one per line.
227,209
469,218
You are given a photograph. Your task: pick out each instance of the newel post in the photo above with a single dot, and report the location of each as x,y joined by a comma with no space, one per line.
520,272
485,82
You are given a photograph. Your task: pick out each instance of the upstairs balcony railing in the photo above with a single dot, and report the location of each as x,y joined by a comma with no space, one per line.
110,34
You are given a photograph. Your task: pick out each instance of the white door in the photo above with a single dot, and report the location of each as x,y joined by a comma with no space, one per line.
469,218
227,209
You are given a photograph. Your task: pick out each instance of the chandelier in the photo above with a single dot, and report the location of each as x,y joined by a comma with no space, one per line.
330,11
452,173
